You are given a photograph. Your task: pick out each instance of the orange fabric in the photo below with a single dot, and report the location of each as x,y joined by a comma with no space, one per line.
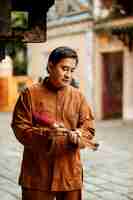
28,194
61,170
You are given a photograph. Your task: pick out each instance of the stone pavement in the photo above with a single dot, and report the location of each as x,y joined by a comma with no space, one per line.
107,172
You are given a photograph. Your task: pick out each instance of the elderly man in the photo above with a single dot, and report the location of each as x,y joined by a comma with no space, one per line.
52,120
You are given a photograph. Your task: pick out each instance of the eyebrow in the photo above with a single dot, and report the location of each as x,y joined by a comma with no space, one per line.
68,66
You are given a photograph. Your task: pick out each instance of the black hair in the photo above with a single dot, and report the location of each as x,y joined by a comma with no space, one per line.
60,53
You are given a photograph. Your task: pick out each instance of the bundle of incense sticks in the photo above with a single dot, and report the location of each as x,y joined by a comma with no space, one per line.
51,122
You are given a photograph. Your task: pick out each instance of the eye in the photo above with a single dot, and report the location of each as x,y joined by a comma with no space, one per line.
72,70
65,68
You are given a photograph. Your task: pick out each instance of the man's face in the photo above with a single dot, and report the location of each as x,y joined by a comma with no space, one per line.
61,74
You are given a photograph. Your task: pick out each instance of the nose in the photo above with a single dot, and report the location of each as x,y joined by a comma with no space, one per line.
68,74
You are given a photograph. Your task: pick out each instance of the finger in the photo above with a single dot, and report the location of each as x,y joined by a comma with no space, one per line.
61,129
74,138
61,125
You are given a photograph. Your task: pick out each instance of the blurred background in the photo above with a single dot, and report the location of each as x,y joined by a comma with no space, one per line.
101,31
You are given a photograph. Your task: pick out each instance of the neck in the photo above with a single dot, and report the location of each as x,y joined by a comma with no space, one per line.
50,85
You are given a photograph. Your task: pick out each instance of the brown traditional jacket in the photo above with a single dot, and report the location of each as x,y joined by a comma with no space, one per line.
61,170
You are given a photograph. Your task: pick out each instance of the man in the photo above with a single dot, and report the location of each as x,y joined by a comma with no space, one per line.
52,120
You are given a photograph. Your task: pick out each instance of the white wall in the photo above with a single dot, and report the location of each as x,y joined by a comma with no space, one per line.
128,86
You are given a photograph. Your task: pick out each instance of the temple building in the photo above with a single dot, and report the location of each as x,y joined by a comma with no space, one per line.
113,59
101,31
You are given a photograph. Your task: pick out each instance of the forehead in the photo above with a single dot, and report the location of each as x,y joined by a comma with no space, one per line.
70,62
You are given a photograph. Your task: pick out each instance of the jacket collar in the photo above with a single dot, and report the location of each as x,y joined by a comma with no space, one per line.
50,86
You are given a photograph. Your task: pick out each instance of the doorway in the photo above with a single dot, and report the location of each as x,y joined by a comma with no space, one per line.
112,85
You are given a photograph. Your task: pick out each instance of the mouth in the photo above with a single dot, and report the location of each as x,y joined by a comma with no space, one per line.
66,81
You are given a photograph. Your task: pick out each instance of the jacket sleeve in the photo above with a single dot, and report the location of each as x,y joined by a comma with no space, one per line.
27,134
86,124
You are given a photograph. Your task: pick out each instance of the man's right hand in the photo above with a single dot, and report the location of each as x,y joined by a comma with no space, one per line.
57,132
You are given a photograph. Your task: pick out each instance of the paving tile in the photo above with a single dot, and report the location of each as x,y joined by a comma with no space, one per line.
107,172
